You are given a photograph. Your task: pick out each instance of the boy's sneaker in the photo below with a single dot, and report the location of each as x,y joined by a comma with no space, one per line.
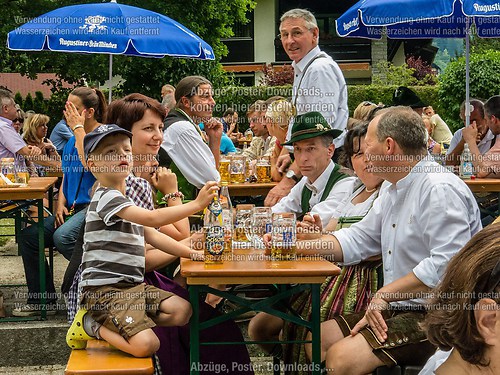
34,309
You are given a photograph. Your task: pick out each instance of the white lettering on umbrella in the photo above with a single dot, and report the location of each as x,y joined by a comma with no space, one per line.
486,8
85,43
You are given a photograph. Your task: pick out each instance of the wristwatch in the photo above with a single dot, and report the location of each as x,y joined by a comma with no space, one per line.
291,174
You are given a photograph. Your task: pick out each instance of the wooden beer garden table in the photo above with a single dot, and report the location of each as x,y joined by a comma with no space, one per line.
248,189
248,266
15,199
486,185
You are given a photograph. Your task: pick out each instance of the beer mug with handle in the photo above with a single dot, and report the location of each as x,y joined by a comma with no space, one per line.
284,236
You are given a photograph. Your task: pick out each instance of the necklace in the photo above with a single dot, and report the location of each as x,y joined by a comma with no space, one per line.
370,190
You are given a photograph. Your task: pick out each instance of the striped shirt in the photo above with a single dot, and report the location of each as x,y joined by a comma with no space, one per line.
113,249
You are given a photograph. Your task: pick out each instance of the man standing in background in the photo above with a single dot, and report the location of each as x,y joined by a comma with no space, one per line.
318,85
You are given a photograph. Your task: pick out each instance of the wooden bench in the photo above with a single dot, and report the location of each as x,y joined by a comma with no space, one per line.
101,358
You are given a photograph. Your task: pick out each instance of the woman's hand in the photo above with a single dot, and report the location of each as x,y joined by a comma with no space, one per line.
310,227
61,213
72,116
165,180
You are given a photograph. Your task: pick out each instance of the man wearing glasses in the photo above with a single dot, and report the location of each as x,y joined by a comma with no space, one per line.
318,85
11,143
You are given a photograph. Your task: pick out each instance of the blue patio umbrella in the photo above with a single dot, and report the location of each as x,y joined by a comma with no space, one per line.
422,19
109,28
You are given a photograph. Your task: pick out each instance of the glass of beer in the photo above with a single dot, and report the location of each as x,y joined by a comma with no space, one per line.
284,235
224,167
248,135
237,169
263,170
243,222
261,224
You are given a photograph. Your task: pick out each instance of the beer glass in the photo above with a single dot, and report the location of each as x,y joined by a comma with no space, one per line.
284,235
224,167
237,170
242,230
263,169
261,224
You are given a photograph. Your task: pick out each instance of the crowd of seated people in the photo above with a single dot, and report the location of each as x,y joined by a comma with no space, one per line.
370,225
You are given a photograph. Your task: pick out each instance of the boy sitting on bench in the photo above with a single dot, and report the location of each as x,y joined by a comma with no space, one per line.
116,304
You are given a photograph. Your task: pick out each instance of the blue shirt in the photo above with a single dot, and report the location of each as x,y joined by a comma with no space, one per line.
226,145
60,135
74,172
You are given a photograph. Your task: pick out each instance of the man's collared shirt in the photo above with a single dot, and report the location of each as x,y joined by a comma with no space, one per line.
325,209
260,147
10,142
417,224
322,89
491,159
190,153
483,145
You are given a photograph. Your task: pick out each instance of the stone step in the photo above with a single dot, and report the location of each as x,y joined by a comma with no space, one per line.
34,343
33,370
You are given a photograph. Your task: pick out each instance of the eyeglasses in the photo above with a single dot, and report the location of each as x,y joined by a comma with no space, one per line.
296,34
19,120
488,285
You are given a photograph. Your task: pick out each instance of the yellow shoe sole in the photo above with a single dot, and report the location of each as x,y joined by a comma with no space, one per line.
77,338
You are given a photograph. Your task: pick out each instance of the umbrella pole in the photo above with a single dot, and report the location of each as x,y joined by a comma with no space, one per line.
110,76
467,76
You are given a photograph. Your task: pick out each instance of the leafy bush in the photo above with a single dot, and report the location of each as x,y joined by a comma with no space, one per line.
421,71
277,76
392,75
484,83
414,73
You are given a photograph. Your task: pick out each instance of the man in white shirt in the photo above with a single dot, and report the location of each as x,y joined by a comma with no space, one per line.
484,137
318,85
189,155
323,185
262,143
417,224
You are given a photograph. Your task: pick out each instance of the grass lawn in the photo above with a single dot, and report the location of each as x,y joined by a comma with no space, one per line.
6,230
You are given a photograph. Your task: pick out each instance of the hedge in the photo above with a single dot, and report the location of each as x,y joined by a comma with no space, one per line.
240,98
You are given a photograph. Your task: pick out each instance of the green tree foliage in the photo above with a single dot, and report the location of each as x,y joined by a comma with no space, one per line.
19,99
390,74
28,103
39,104
210,19
484,82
